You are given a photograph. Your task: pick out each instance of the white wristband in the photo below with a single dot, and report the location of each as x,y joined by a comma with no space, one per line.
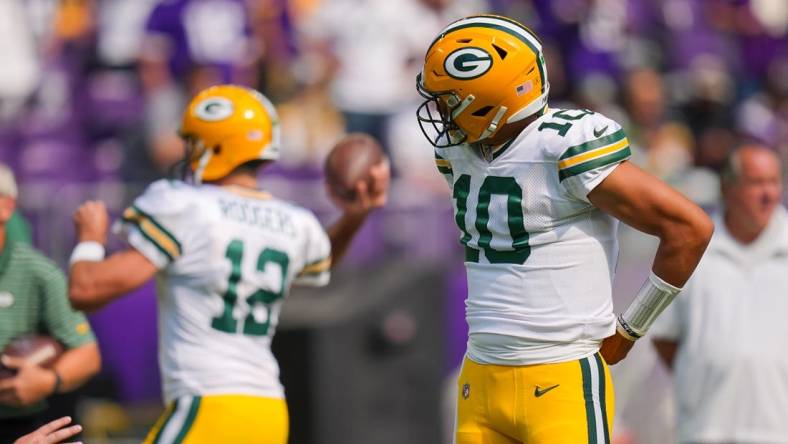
654,296
87,251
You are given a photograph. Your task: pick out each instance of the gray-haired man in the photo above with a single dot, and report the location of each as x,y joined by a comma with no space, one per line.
725,335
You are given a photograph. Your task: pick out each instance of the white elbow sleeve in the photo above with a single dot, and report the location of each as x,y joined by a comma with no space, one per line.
654,296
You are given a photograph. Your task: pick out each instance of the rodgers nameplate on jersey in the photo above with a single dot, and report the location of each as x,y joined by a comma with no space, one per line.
542,276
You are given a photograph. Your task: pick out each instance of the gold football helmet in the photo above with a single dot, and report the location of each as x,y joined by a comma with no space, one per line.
480,73
228,125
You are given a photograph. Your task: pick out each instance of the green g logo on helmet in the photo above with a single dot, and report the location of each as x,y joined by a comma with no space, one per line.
214,109
467,63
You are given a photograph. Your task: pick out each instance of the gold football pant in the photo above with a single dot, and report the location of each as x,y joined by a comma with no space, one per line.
237,419
564,403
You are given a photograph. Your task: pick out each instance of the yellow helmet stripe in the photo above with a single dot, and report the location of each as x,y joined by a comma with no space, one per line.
512,28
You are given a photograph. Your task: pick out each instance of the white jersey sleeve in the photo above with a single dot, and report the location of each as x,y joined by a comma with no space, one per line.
596,146
157,223
316,271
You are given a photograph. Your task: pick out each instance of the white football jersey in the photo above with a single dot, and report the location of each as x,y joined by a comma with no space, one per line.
227,257
539,257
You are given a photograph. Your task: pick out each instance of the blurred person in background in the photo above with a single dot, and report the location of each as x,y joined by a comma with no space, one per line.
229,254
33,300
724,338
370,50
187,46
538,193
22,67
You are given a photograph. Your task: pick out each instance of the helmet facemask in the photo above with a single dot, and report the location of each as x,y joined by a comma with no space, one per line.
435,116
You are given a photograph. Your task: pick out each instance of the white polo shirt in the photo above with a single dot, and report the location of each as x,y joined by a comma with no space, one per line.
731,323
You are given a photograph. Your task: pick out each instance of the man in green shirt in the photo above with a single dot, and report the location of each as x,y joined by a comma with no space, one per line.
33,300
17,229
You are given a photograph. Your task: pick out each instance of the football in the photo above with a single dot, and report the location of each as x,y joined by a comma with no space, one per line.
350,161
38,349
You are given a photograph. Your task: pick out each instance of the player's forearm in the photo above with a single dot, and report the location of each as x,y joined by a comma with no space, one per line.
682,243
86,291
342,233
683,238
92,284
77,365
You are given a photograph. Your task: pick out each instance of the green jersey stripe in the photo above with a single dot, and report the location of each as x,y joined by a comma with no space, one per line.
445,170
610,159
593,144
160,227
471,254
503,148
150,238
187,424
167,419
588,396
601,369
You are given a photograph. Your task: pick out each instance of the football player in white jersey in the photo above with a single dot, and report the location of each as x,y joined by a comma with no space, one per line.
225,255
537,193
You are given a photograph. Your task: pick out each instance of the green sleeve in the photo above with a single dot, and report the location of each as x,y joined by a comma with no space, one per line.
18,229
61,321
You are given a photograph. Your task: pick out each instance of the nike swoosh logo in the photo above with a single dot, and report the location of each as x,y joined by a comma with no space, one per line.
598,133
539,392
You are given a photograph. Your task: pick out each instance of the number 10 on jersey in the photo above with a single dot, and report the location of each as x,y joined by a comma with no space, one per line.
492,186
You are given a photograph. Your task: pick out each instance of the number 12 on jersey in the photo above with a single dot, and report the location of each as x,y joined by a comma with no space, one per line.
226,322
493,185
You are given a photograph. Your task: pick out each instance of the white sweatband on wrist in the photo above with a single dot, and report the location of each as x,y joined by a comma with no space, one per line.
654,296
87,251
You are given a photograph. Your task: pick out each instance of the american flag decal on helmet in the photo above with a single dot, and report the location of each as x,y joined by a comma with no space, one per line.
525,88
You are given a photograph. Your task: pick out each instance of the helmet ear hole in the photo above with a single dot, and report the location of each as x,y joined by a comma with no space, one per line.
502,53
483,111
217,150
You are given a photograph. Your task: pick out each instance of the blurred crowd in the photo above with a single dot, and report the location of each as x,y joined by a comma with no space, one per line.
91,93
92,90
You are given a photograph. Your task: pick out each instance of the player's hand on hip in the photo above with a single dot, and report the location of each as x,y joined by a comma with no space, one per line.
52,432
615,348
369,194
92,222
30,384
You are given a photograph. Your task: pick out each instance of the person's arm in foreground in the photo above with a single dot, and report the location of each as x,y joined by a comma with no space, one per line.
52,433
649,205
